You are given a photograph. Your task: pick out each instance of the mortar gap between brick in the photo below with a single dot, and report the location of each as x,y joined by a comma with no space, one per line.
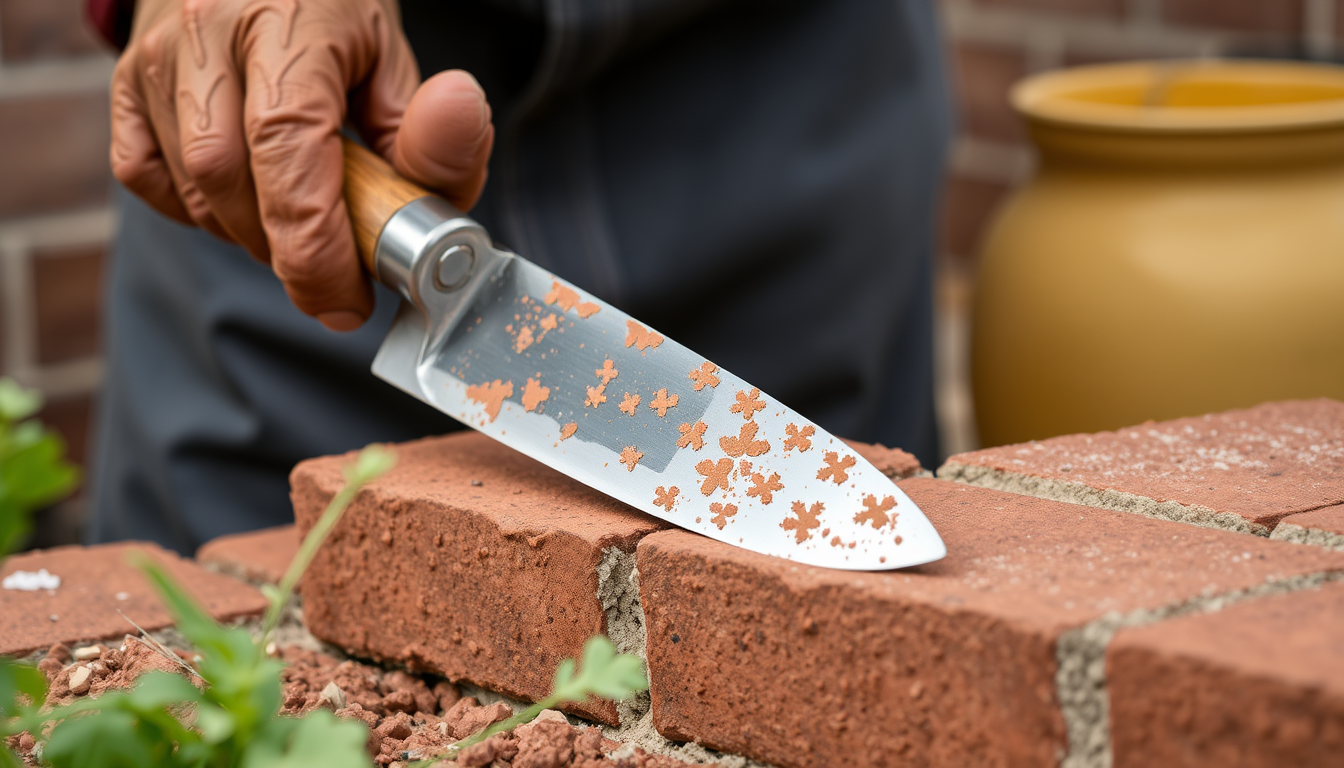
1105,498
618,592
1080,680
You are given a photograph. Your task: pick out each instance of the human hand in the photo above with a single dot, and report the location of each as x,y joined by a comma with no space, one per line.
226,114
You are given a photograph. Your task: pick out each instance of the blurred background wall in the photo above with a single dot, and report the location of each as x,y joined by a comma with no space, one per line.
54,180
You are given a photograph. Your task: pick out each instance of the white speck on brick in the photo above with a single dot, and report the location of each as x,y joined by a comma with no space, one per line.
30,581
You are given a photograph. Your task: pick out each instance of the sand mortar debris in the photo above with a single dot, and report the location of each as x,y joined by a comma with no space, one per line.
1314,537
1100,498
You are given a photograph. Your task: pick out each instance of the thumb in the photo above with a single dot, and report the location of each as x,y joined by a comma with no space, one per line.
445,137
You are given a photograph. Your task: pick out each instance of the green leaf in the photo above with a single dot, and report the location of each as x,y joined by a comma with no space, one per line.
318,739
107,739
372,462
13,525
159,689
215,723
564,675
32,470
18,678
17,403
604,673
623,678
191,620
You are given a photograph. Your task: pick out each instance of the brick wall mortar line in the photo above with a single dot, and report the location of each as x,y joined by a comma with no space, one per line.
1144,12
1297,534
73,228
66,379
1319,28
1080,680
1008,29
1085,495
993,161
20,321
618,592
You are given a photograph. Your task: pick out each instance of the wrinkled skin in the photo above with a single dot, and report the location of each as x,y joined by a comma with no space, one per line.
226,115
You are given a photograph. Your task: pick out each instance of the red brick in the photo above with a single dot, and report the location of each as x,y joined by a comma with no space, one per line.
968,205
494,584
984,75
950,663
892,462
1321,527
55,154
68,299
257,556
1258,684
86,604
38,29
1242,469
1112,9
1263,17
72,418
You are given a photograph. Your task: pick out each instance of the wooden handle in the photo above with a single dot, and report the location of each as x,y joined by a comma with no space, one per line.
373,192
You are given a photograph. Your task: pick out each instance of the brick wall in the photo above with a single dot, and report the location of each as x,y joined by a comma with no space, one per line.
1167,594
54,216
993,43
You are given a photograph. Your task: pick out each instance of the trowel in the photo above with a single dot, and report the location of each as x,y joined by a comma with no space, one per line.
555,373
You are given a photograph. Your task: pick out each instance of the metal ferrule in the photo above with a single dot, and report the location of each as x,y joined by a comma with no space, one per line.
407,259
415,236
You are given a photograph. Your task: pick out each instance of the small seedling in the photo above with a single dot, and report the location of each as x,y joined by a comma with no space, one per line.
603,673
234,720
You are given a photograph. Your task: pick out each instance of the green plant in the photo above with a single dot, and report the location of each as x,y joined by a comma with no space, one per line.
233,720
33,472
603,673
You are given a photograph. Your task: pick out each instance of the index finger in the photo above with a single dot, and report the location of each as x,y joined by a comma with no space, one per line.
293,110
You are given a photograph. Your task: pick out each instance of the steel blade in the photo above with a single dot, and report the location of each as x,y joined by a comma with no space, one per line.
575,383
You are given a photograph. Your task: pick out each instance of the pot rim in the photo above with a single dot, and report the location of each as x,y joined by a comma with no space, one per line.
1053,97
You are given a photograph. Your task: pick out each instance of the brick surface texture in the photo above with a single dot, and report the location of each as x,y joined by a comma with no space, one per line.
1259,684
63,162
96,583
1245,469
33,30
494,583
257,556
952,663
69,285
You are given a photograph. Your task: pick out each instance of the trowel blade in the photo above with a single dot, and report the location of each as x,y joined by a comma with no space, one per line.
584,388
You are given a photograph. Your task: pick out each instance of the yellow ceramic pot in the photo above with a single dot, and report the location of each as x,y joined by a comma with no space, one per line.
1180,251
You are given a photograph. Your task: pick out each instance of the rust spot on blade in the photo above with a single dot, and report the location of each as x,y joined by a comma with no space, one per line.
491,396
805,520
641,338
703,376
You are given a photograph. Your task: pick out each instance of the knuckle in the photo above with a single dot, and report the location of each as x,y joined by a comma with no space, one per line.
193,10
211,160
131,170
195,203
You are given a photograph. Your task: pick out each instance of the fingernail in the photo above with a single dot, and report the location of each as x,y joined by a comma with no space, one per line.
484,107
341,321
